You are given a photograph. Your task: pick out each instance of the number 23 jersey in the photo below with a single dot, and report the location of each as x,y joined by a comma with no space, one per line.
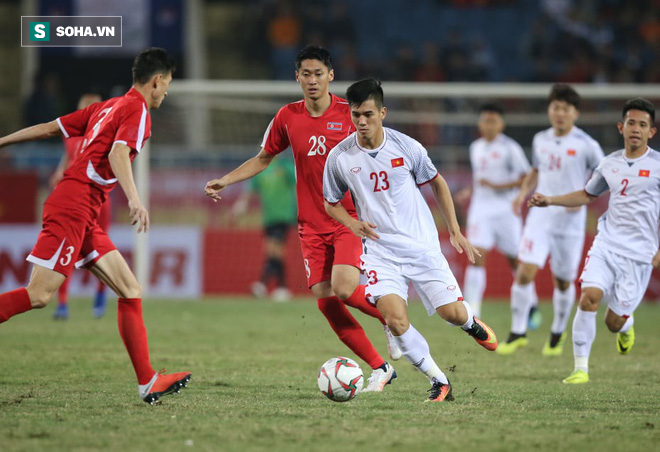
311,139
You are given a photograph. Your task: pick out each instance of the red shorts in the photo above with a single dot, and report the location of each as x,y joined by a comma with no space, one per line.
105,215
322,251
69,238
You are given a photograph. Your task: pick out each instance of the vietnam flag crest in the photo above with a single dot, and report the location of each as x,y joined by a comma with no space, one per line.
572,152
644,173
397,162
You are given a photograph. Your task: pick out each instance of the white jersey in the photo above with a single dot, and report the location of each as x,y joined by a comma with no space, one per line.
564,164
384,183
629,227
500,161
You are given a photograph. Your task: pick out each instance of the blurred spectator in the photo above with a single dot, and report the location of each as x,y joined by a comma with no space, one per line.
45,102
284,33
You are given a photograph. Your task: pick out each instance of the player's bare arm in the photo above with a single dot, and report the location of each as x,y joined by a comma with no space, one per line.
249,169
442,196
38,132
656,260
120,163
362,229
529,182
59,171
574,199
507,186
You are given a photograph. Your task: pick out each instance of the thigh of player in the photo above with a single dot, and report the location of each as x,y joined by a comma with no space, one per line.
598,272
508,229
480,232
565,255
60,240
632,279
434,282
318,255
384,277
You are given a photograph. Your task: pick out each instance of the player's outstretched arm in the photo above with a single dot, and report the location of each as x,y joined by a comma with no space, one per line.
362,229
443,197
528,184
120,163
38,132
574,199
249,169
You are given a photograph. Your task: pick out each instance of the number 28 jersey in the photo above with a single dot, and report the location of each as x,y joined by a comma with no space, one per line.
311,139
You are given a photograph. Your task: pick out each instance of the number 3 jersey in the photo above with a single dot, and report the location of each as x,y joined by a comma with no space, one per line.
629,227
564,164
311,139
385,183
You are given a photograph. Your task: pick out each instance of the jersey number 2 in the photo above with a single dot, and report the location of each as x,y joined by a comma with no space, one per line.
380,181
318,145
624,182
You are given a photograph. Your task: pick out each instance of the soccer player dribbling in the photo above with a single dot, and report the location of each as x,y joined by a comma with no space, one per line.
114,132
619,264
331,253
384,169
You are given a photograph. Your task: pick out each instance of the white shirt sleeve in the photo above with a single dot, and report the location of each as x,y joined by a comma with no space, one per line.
595,156
423,169
334,185
535,159
597,185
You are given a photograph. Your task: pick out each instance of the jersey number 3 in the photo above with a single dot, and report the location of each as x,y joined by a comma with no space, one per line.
318,145
380,181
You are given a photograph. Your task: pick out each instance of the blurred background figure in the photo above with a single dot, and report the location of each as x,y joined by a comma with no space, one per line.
276,189
72,148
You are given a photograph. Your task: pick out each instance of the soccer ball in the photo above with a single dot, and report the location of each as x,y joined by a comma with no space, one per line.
340,379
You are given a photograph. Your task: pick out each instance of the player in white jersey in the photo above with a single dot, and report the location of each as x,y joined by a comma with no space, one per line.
383,170
563,157
499,166
619,264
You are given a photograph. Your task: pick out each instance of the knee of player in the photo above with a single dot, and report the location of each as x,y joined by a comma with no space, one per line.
523,278
398,324
614,323
562,284
343,291
133,290
39,298
589,301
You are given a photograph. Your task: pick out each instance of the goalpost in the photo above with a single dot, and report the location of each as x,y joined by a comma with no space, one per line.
210,124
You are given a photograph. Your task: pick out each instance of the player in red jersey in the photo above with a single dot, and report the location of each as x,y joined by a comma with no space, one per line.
114,132
331,253
72,146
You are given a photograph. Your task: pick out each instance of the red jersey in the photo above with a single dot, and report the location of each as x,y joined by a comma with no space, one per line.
89,179
311,139
72,146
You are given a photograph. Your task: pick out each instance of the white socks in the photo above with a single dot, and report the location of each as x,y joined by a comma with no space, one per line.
626,326
562,303
470,316
522,298
474,286
584,333
416,350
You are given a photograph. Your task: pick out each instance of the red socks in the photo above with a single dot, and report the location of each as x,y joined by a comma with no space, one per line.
349,330
63,292
134,335
14,303
358,301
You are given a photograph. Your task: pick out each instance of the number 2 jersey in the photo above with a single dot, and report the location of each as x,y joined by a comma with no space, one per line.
629,227
311,139
385,182
564,164
89,179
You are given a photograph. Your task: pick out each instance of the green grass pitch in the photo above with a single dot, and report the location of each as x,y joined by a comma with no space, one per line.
69,385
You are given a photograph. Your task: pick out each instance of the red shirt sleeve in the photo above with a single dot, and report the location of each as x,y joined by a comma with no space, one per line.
133,128
276,138
74,124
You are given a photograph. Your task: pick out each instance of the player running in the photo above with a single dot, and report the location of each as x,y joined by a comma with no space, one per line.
619,264
499,166
384,169
71,147
331,253
114,132
562,158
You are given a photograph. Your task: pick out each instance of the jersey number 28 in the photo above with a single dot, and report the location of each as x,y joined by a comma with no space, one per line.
318,145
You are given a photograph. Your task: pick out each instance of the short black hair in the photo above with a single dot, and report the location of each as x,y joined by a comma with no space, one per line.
641,104
491,107
150,62
368,88
566,93
311,52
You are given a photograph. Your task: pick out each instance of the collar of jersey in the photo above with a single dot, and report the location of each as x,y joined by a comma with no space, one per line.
135,93
333,100
627,159
372,151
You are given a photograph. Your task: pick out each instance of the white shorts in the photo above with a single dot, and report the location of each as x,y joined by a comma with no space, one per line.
501,231
622,280
429,274
565,251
